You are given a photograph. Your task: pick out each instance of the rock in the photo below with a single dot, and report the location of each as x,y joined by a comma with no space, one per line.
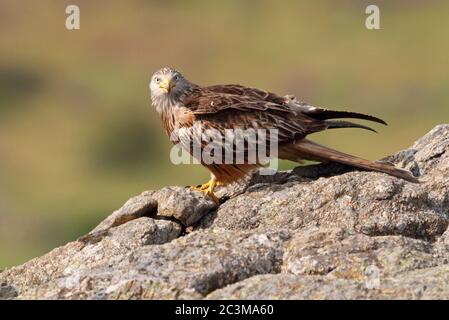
181,205
136,207
427,153
139,206
324,231
8,291
288,286
332,252
187,267
144,231
184,205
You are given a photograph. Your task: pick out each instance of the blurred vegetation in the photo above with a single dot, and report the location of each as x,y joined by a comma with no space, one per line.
78,135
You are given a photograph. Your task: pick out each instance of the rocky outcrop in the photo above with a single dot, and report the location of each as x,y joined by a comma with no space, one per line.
318,232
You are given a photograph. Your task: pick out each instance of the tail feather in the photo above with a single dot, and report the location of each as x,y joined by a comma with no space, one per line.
324,114
334,124
309,150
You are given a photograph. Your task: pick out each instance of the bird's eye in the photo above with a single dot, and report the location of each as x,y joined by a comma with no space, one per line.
176,78
157,80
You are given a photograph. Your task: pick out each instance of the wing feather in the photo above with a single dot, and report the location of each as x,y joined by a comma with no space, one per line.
238,107
208,102
237,89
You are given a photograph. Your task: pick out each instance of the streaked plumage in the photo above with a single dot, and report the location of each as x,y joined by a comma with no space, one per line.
181,104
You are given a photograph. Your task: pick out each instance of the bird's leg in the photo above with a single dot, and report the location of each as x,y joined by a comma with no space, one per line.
208,189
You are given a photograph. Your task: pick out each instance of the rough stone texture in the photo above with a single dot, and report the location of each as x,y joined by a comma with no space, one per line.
316,232
331,252
288,286
184,205
8,291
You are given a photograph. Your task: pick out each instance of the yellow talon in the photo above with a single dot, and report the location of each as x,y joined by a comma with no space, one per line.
208,189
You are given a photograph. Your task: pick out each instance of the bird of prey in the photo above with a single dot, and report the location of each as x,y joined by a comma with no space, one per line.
186,108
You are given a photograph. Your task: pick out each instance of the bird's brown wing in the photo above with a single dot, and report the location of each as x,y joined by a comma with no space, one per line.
205,101
290,101
240,90
295,105
235,111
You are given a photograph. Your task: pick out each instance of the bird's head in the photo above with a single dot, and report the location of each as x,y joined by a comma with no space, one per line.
168,83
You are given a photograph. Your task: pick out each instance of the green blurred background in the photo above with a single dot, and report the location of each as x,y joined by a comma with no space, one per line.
78,135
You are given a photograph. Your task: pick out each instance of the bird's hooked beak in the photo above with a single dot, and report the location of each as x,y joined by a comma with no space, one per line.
167,85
